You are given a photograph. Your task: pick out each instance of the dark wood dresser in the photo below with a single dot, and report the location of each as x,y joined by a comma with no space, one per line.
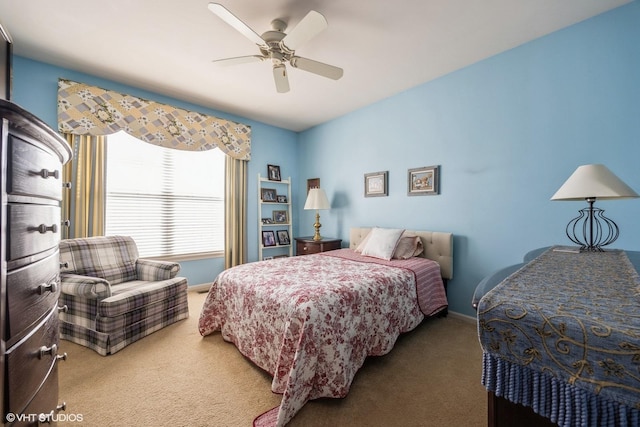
31,187
306,245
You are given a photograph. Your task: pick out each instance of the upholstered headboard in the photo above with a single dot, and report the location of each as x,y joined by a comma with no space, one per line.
438,246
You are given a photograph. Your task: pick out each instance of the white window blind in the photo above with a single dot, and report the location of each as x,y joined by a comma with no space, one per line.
170,201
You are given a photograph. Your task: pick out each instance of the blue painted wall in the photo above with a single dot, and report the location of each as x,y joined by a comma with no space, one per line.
507,133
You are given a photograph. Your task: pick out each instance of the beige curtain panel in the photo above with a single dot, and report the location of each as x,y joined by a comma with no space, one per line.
83,203
90,110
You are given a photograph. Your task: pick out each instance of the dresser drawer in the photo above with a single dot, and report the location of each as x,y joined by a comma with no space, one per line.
44,405
33,171
28,363
31,292
33,229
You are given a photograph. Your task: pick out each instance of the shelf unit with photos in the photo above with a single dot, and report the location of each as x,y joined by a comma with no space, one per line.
274,218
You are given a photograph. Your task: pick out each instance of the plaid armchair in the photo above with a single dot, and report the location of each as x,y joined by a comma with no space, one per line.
113,298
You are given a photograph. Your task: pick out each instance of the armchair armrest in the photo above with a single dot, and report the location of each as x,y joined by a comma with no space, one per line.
84,286
147,269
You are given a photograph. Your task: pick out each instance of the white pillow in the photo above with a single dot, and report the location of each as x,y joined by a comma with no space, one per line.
382,242
363,243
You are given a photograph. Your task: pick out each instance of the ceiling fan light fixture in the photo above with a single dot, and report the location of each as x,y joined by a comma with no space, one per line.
280,47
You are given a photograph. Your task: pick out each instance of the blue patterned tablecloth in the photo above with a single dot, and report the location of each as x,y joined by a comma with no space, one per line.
562,335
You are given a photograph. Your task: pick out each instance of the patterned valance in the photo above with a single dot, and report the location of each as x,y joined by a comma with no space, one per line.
84,109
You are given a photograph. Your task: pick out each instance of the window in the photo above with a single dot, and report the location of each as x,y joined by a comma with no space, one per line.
170,201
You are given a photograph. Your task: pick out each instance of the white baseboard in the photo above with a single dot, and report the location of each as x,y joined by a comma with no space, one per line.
201,288
464,317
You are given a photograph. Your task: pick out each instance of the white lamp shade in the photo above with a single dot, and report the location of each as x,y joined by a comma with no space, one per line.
594,181
317,199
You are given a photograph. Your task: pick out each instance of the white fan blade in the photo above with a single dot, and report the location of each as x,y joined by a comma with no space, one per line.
310,26
238,60
315,67
236,23
280,77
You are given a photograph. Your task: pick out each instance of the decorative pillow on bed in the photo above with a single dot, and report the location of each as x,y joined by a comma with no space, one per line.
382,242
408,246
363,243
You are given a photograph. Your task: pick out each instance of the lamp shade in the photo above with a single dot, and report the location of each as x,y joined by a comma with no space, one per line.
317,199
594,181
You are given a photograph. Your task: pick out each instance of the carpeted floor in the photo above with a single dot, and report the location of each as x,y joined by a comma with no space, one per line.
175,377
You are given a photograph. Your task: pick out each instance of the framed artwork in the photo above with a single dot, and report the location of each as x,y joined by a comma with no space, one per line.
273,172
268,194
267,220
313,183
424,181
268,238
375,184
280,217
283,237
281,199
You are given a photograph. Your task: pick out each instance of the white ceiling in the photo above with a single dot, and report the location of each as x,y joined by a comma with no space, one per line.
384,47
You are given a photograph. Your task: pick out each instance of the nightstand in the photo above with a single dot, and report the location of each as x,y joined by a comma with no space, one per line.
306,245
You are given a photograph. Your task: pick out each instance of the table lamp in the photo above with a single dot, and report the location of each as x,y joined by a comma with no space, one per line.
317,199
591,229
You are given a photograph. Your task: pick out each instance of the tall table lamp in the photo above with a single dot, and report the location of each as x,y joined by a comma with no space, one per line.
591,229
317,199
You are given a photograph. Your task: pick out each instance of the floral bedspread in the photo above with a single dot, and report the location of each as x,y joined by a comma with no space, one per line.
312,320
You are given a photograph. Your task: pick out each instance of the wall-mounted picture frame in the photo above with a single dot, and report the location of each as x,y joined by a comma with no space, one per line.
273,172
376,184
283,237
313,183
424,181
280,217
268,238
268,195
281,199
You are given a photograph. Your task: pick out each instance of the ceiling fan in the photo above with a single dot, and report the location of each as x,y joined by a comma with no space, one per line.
280,47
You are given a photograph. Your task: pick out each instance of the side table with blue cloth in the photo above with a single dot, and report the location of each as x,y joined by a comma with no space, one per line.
561,335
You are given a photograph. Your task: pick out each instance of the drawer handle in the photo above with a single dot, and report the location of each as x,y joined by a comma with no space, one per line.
64,265
66,223
43,351
47,287
63,309
47,173
61,407
66,185
43,228
62,356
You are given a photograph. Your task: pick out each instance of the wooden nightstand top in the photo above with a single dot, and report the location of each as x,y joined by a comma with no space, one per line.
306,245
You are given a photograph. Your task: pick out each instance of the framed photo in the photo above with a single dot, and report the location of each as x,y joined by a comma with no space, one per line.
267,220
268,238
268,194
267,258
281,199
424,181
273,172
283,237
280,217
313,183
280,256
375,184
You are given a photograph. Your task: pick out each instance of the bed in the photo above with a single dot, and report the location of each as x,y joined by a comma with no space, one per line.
311,321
